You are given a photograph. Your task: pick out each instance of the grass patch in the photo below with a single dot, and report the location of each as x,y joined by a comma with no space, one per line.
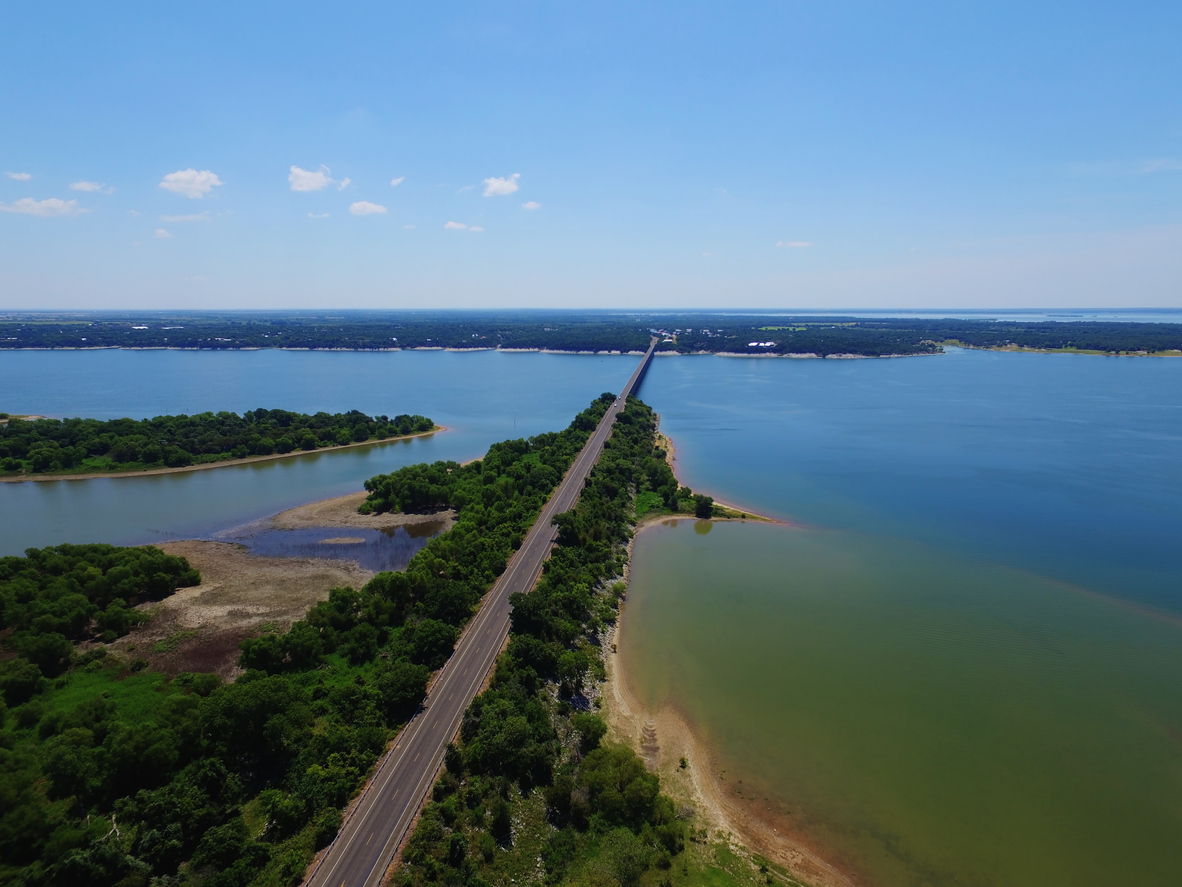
649,502
138,696
173,641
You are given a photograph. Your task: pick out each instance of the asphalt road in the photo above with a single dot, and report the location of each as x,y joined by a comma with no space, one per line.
370,837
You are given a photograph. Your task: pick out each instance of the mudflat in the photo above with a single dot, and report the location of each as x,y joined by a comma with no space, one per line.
240,595
341,511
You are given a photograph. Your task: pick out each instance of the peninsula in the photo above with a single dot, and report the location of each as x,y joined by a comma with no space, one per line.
52,449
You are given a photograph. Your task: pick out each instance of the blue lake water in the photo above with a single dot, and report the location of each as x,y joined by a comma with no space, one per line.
1068,465
480,397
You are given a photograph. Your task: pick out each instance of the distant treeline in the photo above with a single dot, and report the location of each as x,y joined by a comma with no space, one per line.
112,775
91,445
574,331
530,792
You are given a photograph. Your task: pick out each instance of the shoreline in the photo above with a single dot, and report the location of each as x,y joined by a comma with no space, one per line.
664,737
739,513
1026,349
1013,349
340,512
245,460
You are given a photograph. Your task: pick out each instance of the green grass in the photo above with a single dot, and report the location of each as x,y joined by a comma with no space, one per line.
173,641
649,502
138,696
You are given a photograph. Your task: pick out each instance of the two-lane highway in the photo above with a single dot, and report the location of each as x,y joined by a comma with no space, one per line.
372,834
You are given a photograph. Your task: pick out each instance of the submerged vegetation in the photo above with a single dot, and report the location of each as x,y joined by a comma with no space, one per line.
65,446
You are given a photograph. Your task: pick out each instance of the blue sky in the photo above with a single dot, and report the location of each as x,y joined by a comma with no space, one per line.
781,155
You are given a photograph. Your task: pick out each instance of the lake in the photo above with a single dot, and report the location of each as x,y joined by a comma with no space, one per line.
480,397
961,663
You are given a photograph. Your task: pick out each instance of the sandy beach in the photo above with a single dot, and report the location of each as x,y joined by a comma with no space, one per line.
341,511
736,512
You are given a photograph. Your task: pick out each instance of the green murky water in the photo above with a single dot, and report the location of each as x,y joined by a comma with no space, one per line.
966,666
931,720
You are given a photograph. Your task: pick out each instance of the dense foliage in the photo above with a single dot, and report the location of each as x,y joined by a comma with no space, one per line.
574,331
109,775
50,445
52,597
530,780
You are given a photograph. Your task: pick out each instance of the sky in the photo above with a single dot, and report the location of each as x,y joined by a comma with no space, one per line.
812,155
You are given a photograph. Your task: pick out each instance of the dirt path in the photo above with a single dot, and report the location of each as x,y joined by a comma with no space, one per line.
20,478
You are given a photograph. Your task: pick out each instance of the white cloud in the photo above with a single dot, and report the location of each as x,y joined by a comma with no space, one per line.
394,183
531,204
410,227
1161,164
345,183
793,244
19,176
133,212
495,187
365,208
86,186
476,228
190,182
309,180
51,206
162,234
455,226
317,215
194,217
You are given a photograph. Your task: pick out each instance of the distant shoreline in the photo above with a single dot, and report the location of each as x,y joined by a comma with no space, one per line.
246,460
1026,349
760,355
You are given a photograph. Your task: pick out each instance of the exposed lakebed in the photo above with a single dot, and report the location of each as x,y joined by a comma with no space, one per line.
389,548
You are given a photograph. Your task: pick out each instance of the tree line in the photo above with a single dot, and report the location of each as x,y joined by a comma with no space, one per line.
575,331
110,774
92,445
531,778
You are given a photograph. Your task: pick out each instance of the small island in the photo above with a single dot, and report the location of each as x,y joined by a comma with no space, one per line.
38,448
